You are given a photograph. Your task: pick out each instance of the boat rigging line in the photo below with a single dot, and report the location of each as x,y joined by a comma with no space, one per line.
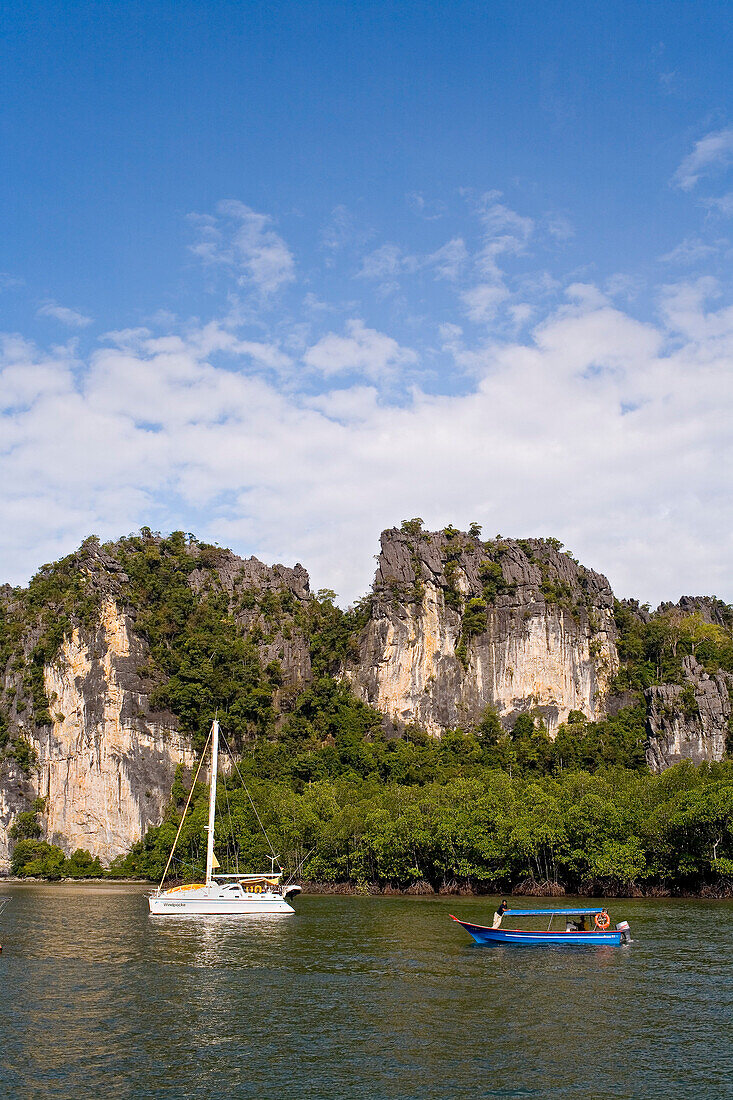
249,796
299,868
185,810
231,826
273,857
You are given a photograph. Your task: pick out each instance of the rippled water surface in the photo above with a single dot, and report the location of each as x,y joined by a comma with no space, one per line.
355,997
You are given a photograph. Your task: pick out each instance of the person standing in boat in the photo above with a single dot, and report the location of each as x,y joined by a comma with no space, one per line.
499,914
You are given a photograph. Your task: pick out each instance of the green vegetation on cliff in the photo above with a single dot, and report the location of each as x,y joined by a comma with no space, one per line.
652,647
347,796
205,643
200,660
204,658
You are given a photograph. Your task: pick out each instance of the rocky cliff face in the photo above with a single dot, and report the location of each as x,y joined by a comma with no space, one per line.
455,624
458,624
263,600
689,721
104,764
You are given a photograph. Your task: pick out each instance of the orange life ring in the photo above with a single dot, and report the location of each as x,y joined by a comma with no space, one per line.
602,921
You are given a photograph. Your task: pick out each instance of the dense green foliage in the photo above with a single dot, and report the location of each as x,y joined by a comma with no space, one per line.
36,858
342,803
199,659
26,826
651,648
342,800
202,657
393,813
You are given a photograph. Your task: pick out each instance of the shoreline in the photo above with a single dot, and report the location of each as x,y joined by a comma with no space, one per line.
707,893
720,892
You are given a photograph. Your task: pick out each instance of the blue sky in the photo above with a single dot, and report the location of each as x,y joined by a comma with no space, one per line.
286,274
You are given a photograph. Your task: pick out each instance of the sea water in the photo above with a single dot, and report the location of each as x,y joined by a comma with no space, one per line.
355,997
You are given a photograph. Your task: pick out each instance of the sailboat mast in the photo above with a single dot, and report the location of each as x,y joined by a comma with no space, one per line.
212,801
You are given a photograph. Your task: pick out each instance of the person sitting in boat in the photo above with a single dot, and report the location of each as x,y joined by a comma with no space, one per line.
499,914
578,924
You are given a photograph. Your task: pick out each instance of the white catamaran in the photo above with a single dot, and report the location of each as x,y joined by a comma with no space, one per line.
229,895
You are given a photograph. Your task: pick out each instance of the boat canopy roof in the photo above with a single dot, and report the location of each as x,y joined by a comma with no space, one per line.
557,912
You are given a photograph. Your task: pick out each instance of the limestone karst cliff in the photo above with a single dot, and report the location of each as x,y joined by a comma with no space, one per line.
458,624
98,752
112,660
104,762
692,719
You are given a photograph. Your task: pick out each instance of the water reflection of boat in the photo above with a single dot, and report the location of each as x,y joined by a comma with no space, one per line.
221,894
3,903
578,928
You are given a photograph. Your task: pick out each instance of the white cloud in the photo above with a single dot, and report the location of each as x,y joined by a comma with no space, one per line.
711,153
611,434
560,227
313,304
521,313
427,209
26,375
66,316
683,307
538,284
352,405
722,206
691,250
505,231
341,232
386,264
363,351
9,282
245,242
499,220
214,337
483,301
623,285
450,261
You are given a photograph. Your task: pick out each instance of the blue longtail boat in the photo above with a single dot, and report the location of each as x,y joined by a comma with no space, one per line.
576,930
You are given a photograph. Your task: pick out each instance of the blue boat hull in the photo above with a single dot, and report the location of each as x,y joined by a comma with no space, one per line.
517,936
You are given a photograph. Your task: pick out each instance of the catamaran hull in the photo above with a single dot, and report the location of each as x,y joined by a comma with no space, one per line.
517,936
218,907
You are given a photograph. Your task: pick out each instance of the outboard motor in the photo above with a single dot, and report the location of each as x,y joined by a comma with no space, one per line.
623,928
